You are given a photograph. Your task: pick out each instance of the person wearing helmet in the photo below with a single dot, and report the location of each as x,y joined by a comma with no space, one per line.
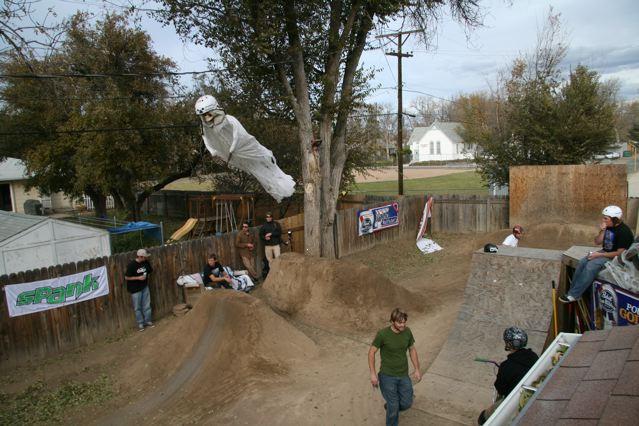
519,360
225,138
614,237
513,239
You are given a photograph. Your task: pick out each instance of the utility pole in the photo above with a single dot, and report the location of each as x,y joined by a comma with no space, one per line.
400,117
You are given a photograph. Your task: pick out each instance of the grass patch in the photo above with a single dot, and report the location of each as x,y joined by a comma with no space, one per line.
37,404
398,260
465,183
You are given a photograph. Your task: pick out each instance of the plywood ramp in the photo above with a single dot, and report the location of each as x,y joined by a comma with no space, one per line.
512,287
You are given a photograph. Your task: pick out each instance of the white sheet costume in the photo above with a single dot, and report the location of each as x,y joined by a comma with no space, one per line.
226,138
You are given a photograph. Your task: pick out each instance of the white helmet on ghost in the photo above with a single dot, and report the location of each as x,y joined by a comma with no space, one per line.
209,111
205,104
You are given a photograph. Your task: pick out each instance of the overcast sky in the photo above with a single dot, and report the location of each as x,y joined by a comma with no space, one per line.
603,35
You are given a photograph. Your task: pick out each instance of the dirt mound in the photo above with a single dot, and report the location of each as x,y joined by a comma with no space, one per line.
224,346
555,236
335,294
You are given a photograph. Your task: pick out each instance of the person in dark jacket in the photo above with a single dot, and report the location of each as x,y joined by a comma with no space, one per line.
271,234
519,360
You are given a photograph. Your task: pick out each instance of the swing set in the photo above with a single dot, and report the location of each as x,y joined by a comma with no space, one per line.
216,215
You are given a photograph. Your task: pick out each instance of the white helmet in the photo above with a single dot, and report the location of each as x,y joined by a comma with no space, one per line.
205,104
612,211
208,104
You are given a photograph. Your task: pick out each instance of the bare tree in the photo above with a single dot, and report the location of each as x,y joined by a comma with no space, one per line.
24,33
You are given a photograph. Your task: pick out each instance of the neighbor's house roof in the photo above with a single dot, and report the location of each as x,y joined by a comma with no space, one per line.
12,169
449,128
597,382
14,223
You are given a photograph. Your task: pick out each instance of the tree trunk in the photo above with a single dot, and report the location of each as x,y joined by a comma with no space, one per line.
99,202
117,202
312,192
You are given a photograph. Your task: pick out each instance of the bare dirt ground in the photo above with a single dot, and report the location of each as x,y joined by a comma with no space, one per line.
292,352
390,173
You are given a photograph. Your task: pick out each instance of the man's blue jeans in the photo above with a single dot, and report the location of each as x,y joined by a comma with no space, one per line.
585,274
142,306
398,393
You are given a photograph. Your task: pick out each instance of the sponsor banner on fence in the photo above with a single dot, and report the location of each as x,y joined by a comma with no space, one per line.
28,298
378,218
613,305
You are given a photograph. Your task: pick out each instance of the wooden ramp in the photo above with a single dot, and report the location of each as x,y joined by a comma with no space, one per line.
512,287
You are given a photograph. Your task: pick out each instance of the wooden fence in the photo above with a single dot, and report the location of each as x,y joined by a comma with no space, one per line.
37,335
40,334
451,214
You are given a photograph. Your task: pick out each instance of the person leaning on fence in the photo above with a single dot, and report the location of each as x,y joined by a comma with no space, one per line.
614,237
246,248
136,277
271,234
213,275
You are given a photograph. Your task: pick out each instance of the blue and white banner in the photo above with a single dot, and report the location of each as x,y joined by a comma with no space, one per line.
378,218
612,305
37,296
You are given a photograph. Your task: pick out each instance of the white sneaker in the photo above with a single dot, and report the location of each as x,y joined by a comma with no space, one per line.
567,299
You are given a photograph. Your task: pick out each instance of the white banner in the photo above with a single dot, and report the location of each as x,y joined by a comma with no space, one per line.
28,298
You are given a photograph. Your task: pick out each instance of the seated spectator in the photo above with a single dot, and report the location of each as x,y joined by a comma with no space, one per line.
213,275
614,237
513,239
217,276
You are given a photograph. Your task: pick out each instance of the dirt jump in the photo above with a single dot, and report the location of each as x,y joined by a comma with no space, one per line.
294,351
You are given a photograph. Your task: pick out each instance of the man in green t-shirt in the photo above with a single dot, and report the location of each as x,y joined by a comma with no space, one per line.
393,342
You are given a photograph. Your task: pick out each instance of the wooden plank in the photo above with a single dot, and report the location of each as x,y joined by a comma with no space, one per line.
579,192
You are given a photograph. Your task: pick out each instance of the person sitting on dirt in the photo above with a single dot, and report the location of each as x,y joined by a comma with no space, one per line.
214,276
223,276
519,360
614,237
513,239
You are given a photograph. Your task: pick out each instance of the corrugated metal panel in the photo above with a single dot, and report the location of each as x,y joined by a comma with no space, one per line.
13,223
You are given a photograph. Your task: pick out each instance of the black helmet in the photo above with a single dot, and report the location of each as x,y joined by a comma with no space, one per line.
490,248
515,337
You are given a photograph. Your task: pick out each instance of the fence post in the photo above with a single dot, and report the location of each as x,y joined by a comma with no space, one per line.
487,214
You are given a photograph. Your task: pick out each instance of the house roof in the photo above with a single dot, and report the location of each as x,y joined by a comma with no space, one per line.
417,135
449,128
12,169
14,223
597,382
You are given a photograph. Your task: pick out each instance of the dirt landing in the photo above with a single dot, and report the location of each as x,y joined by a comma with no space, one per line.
335,295
224,347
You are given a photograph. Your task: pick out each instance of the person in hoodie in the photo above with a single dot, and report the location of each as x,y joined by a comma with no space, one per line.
519,360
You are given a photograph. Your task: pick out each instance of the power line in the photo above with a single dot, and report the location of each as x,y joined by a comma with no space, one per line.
103,130
93,98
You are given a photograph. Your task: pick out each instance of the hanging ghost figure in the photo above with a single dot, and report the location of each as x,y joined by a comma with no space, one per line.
226,138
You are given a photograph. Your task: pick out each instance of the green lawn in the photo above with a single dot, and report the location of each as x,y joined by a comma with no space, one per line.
465,183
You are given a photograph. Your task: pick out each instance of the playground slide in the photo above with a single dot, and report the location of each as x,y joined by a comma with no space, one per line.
512,287
185,229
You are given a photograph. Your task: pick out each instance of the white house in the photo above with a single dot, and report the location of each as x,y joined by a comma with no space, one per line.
439,142
30,242
13,192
